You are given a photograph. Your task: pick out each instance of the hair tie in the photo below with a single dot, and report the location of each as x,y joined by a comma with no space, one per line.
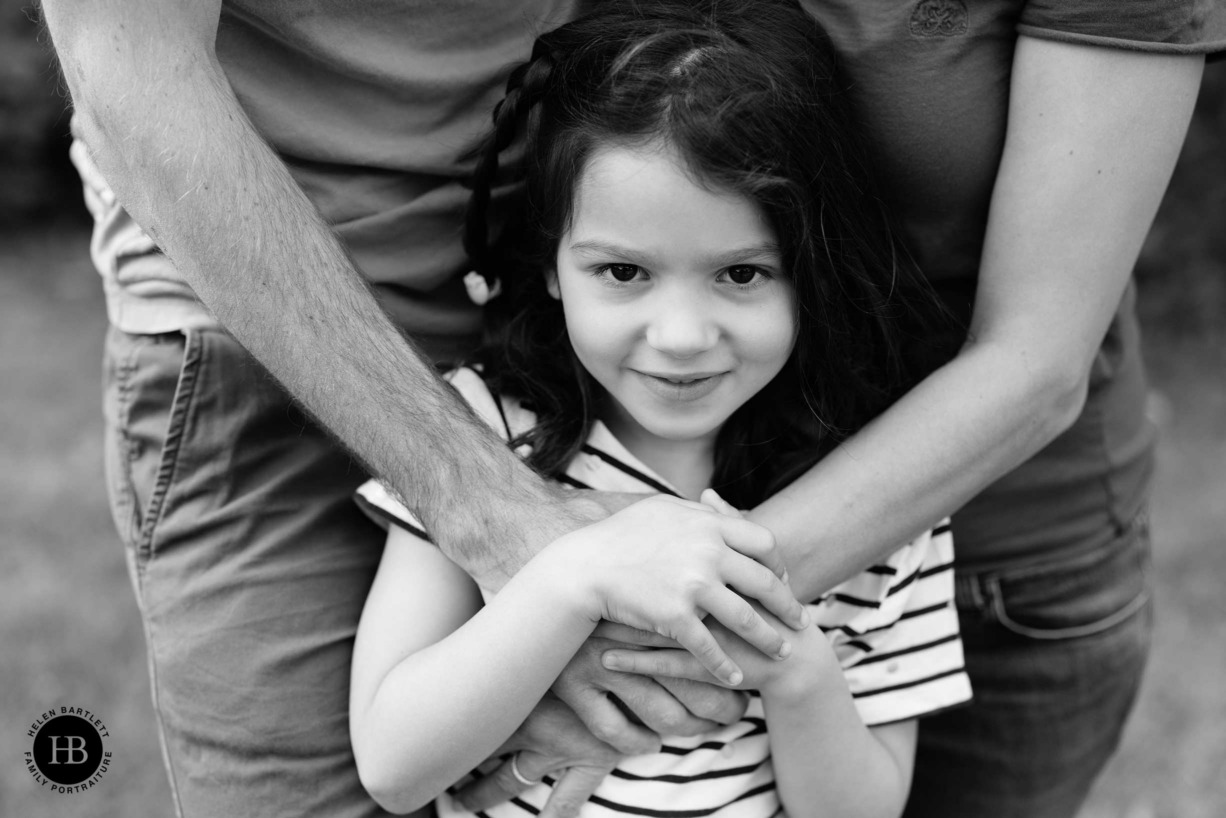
479,290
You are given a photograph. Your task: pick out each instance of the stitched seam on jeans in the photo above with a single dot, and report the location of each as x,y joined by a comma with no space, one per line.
123,413
182,402
1072,632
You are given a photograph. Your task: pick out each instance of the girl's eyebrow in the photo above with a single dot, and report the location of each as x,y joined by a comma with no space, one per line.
727,258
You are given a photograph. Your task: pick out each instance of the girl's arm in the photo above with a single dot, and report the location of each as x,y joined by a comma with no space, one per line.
435,692
439,682
1092,139
827,762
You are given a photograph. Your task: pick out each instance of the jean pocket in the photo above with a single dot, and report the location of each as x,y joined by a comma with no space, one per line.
1077,597
152,392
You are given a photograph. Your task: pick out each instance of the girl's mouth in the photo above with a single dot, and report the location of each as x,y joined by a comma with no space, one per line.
680,387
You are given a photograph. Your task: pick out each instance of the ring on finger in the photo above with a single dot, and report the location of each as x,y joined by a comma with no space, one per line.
520,777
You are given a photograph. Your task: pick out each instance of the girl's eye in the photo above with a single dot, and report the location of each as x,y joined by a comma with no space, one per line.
743,275
621,272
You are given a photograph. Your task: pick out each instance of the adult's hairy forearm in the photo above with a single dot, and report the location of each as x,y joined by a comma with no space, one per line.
186,163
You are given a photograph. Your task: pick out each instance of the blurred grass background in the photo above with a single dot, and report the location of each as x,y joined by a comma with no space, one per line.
69,629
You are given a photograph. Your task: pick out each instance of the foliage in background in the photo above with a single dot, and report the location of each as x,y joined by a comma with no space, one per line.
1182,270
36,179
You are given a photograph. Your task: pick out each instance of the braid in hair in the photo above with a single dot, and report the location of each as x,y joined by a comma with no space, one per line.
526,87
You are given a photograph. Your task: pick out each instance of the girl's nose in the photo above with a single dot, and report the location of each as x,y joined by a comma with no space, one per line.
682,327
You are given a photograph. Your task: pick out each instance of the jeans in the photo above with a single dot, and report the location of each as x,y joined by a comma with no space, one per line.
1055,653
250,563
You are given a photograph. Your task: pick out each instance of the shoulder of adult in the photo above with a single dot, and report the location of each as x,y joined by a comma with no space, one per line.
1160,26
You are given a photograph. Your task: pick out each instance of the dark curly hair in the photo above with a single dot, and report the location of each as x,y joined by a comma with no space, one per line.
747,92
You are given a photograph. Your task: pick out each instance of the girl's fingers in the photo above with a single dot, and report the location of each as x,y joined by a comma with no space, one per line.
675,664
617,632
736,614
748,578
710,497
753,541
695,638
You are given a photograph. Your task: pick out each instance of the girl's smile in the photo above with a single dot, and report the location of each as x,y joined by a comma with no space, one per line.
675,297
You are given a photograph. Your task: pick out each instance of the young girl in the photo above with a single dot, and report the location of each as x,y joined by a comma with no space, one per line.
695,293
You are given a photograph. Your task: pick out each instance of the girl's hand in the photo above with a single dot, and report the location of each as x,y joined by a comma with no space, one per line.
664,564
811,658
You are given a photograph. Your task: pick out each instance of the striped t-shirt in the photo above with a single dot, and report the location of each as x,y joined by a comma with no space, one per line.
892,626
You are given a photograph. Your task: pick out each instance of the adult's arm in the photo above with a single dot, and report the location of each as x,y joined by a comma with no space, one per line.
169,135
1092,138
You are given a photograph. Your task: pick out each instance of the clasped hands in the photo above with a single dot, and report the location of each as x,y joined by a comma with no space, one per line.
706,585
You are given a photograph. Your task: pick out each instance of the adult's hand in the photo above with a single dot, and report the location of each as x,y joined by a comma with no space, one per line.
556,743
553,743
630,712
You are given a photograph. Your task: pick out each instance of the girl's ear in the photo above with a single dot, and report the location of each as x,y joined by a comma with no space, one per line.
551,284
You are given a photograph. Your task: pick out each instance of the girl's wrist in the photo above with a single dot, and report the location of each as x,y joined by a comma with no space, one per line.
807,674
558,572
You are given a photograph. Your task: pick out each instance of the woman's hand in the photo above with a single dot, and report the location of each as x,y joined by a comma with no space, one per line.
664,564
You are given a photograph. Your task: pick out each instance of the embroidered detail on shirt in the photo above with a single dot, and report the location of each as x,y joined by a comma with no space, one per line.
939,18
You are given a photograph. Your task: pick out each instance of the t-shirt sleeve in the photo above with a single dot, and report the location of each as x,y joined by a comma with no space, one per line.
901,651
1161,26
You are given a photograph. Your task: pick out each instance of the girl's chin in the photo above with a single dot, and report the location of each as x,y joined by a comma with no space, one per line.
674,432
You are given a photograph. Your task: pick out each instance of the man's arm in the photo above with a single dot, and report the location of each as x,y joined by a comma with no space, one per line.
168,134
1092,139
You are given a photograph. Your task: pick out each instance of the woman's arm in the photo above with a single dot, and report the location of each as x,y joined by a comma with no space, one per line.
1092,139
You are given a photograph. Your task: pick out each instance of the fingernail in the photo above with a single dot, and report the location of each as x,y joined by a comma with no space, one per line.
610,662
785,650
784,578
735,677
804,617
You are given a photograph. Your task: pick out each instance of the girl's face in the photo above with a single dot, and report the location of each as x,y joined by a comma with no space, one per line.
674,295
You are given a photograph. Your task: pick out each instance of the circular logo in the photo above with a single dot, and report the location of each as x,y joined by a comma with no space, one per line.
68,754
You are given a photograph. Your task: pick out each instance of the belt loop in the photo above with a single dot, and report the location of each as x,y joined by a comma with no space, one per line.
967,592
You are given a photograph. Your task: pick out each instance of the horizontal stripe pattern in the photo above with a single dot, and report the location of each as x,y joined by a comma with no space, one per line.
893,628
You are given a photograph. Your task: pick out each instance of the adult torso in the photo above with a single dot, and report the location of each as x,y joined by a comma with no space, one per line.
372,104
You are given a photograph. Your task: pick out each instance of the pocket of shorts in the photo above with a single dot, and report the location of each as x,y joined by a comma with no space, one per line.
1082,596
